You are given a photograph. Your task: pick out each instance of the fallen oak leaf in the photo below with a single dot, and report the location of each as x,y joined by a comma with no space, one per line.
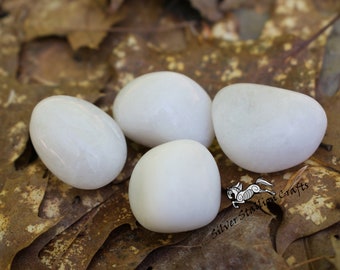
85,23
20,199
313,208
94,231
236,239
262,61
52,62
313,252
51,255
73,208
126,248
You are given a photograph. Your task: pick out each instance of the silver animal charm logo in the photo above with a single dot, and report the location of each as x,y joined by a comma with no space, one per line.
237,195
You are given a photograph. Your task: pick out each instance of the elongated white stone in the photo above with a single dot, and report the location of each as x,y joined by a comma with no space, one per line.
163,106
175,187
78,142
267,129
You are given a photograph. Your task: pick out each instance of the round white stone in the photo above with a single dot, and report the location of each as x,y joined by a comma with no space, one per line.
175,187
163,106
267,129
78,142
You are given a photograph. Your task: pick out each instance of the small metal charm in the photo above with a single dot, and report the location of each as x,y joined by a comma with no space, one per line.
237,195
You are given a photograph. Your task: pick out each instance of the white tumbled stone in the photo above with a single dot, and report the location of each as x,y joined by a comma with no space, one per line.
163,106
78,142
175,187
267,129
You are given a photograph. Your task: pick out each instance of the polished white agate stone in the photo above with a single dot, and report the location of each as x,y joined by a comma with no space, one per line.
163,106
266,129
78,142
175,187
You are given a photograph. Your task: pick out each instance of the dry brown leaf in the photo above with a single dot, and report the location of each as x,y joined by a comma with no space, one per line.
236,239
52,62
312,252
310,206
78,244
126,248
76,209
331,157
20,224
85,23
9,47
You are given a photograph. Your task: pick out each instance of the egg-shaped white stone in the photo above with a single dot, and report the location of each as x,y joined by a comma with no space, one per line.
163,106
267,129
78,142
175,187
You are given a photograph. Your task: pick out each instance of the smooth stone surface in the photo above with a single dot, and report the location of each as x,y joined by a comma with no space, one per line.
175,187
78,142
163,106
267,129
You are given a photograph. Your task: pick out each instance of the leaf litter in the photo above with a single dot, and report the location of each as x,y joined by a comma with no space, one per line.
66,227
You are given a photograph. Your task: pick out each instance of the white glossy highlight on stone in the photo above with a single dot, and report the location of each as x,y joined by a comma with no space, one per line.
266,129
163,106
78,142
175,187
